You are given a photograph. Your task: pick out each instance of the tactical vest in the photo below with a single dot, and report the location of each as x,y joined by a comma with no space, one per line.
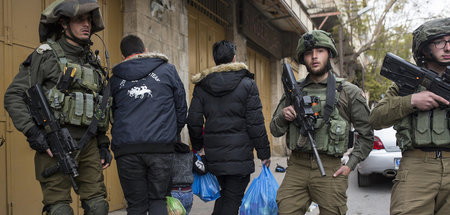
424,129
331,138
82,102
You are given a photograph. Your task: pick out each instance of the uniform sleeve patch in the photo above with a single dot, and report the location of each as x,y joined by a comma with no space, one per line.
42,48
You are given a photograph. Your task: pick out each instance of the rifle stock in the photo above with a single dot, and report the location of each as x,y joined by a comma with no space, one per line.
302,106
61,143
409,77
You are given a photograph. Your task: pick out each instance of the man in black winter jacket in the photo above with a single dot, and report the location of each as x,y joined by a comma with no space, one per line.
149,111
227,97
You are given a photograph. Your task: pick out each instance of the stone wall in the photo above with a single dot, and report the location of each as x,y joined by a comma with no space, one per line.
232,33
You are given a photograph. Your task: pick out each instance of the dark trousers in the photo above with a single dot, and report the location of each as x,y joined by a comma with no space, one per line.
231,194
145,180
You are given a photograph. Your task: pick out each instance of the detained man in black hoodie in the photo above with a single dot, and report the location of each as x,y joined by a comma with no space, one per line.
226,96
149,111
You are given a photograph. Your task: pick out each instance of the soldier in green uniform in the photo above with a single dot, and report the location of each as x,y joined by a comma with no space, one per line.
65,30
422,184
347,106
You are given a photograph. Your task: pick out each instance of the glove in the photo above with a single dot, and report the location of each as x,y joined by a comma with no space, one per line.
105,154
36,139
200,164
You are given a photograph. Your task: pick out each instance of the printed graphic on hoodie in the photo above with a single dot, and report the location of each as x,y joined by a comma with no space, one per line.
122,84
139,92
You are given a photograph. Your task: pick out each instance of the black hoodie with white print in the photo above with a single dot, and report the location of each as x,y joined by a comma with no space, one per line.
149,105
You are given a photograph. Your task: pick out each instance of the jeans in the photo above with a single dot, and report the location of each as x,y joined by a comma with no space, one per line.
186,198
145,180
231,194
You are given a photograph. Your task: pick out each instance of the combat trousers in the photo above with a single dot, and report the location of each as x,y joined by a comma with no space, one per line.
422,184
303,184
56,188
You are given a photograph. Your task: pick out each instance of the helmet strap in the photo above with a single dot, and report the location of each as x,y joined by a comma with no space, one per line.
328,68
72,37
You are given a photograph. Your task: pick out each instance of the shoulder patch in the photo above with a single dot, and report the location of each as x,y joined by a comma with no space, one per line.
42,48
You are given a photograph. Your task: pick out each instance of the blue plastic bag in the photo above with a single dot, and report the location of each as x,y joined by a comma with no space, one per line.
260,197
206,186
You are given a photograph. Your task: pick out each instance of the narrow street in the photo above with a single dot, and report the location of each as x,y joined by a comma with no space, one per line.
372,200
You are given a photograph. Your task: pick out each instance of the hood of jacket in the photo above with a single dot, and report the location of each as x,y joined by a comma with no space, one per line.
138,66
222,79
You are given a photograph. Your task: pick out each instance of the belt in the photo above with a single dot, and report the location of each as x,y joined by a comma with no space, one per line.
189,188
427,154
303,155
310,156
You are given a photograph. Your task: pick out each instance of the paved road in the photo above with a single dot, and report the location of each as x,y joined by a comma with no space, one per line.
372,200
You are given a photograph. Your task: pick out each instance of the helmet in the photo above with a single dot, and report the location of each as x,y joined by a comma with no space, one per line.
315,39
426,33
49,23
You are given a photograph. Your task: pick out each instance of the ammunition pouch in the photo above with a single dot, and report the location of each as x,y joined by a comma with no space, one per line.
338,137
78,108
85,77
424,129
76,99
331,138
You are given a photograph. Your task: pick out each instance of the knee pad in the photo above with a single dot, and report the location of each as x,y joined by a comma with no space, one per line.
60,209
95,206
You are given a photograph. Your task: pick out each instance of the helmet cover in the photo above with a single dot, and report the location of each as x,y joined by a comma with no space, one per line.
426,33
315,39
49,22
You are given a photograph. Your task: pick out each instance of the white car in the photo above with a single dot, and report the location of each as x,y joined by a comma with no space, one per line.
383,159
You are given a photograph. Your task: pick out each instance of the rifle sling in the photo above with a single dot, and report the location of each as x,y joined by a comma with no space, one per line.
331,96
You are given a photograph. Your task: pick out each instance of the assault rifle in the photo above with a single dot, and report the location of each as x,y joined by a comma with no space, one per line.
409,77
62,145
303,107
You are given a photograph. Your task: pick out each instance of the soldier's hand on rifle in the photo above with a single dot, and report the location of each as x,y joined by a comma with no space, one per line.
37,141
427,100
289,113
105,155
344,170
